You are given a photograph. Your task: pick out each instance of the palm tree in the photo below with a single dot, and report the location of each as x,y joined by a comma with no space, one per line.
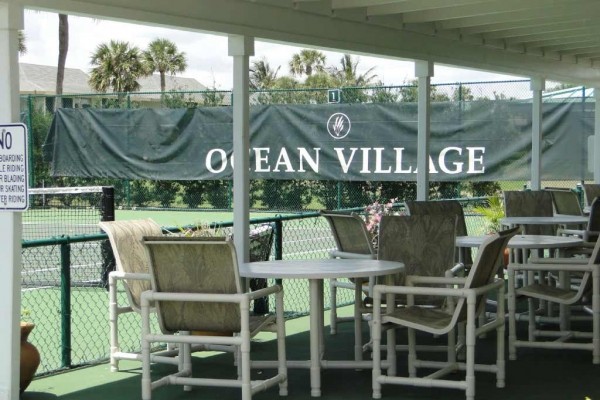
262,76
63,48
22,45
306,62
162,56
347,74
116,65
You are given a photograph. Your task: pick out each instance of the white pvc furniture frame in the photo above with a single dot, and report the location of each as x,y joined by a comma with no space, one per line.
469,293
249,326
136,230
316,271
564,296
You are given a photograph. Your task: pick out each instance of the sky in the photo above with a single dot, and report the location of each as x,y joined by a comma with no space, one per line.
206,54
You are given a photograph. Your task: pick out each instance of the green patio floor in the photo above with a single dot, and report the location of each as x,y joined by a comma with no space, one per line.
537,374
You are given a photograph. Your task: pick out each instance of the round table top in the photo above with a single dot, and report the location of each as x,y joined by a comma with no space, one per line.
556,219
319,269
525,241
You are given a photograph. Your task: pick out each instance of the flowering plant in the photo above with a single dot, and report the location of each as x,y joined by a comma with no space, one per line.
374,212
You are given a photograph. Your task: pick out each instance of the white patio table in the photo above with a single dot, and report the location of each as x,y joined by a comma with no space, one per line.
557,219
316,271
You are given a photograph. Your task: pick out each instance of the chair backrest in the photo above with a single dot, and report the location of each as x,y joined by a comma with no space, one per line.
484,270
565,202
350,232
443,207
591,190
593,227
530,203
194,265
261,242
130,255
424,243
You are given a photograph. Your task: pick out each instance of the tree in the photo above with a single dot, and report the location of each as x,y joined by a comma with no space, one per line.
306,62
347,74
63,49
262,76
162,56
117,66
22,44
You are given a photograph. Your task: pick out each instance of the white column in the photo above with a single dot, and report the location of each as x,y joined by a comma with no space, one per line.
537,87
596,149
424,72
241,48
11,20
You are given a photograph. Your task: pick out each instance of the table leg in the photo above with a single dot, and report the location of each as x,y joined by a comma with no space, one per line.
316,316
358,351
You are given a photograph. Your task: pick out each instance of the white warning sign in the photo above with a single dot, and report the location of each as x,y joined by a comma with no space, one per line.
13,168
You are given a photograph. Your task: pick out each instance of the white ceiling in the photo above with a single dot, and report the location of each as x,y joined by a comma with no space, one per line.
552,39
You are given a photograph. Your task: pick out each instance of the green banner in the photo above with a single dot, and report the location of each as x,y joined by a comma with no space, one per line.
477,141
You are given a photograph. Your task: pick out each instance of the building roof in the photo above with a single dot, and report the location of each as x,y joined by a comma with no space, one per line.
41,79
177,83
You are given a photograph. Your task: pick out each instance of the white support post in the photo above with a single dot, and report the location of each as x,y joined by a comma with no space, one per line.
241,48
596,149
537,87
424,72
11,20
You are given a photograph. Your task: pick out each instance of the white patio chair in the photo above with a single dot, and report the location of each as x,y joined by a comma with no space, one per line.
586,294
132,271
469,295
352,240
197,287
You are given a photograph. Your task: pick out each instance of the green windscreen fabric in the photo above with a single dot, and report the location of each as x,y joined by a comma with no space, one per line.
478,141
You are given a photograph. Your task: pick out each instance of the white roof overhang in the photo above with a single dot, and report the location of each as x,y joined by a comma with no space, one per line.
550,39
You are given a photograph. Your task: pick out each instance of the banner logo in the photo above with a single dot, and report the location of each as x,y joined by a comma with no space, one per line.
338,126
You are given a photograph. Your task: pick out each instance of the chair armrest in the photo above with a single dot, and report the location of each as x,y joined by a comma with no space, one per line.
148,296
379,290
454,271
571,260
439,280
345,254
576,232
256,294
572,267
119,275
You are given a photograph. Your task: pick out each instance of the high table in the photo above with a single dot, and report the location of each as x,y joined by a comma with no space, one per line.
316,271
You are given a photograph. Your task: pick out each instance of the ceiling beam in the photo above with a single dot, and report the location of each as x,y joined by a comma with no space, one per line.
558,11
476,10
538,30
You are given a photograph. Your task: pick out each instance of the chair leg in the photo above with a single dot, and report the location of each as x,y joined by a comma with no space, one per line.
500,361
531,315
376,355
412,353
512,328
596,315
146,378
470,367
113,322
281,355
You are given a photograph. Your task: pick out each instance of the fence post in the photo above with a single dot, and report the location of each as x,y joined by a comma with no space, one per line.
278,244
65,304
30,142
339,195
107,214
